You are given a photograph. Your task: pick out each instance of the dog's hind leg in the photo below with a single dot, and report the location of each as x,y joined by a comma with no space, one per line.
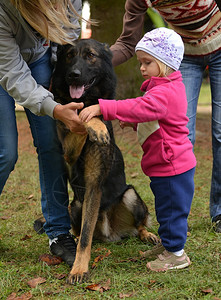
96,167
135,205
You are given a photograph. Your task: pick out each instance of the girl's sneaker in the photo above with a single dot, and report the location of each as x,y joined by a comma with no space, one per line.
154,252
168,261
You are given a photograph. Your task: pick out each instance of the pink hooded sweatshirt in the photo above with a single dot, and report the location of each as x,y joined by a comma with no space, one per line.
161,117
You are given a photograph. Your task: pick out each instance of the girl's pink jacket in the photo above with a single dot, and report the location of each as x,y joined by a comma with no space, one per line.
164,139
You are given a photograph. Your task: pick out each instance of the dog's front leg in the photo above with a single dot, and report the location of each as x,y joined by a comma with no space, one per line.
89,218
95,172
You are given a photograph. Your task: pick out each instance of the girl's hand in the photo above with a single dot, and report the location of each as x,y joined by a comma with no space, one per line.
126,124
89,112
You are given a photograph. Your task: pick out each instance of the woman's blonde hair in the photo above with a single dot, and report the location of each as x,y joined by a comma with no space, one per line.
49,17
164,69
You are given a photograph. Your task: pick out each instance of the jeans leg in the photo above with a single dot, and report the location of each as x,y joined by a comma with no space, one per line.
8,137
192,72
52,171
215,82
53,176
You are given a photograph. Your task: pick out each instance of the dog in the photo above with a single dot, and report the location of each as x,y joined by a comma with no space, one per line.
104,206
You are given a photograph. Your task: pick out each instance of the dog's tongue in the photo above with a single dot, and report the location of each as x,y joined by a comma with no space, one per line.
76,91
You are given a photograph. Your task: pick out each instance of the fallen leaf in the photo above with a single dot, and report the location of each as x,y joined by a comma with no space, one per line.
12,296
151,284
100,249
99,287
134,175
93,287
34,282
100,257
60,276
132,259
30,196
50,260
26,237
207,291
128,295
106,286
25,296
5,217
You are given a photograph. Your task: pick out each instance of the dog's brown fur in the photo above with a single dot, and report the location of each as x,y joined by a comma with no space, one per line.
104,206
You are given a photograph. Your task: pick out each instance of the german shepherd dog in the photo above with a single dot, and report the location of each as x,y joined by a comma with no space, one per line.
104,206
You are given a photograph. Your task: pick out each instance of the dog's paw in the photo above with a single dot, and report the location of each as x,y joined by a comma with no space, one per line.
77,278
101,137
151,238
97,131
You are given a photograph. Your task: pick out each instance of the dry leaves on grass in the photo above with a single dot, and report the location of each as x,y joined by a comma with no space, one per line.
127,295
99,287
100,257
50,260
130,259
26,237
5,217
207,291
25,296
134,175
35,281
60,276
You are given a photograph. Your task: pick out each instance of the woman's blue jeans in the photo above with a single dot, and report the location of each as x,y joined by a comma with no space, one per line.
192,69
53,179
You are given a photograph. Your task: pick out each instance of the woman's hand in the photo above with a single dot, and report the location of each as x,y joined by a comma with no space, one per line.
89,112
68,115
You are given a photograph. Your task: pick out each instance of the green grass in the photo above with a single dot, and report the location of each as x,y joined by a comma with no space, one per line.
205,94
19,256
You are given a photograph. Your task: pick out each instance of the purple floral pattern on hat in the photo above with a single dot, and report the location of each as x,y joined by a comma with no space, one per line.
165,45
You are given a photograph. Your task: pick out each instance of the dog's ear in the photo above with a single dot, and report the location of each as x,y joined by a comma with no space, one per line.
59,50
62,48
107,49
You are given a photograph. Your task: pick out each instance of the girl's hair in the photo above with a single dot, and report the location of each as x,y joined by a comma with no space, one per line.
49,17
164,69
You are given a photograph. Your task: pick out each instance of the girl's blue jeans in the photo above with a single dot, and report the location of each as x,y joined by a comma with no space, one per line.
192,69
52,173
173,198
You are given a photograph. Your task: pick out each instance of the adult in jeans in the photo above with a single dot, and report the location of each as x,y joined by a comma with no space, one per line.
199,24
26,29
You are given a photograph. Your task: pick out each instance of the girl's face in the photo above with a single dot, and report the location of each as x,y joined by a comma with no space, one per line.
148,65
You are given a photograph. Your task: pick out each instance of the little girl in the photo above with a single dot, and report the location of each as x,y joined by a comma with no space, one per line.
159,116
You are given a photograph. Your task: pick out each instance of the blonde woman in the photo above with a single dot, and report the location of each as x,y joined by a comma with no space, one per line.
27,28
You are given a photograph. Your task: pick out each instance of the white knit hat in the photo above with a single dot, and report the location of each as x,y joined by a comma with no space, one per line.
165,45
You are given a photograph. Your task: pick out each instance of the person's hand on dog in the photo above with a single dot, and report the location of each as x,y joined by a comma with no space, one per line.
89,112
68,115
126,124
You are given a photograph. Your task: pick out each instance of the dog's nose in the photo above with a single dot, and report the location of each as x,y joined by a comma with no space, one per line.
74,74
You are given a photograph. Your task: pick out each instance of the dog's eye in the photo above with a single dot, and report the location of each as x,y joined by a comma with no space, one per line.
90,55
69,55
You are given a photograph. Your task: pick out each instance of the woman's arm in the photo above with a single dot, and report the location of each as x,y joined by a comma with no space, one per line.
133,22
